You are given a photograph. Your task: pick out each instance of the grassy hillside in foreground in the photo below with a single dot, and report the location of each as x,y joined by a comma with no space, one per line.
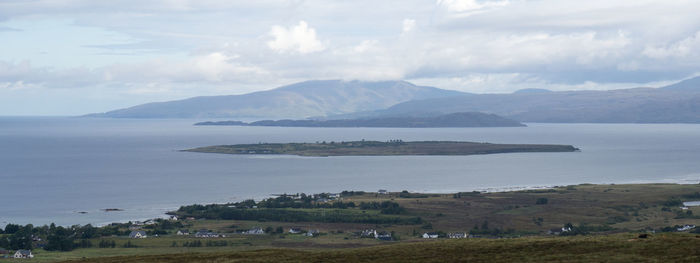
613,248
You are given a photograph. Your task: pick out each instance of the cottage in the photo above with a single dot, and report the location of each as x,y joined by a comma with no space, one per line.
384,236
295,230
430,235
686,227
312,232
370,233
457,235
138,234
23,253
183,232
255,231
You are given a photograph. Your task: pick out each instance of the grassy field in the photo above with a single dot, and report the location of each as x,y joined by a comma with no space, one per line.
613,214
612,248
373,148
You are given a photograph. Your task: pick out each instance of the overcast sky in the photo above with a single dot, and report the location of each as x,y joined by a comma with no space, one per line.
66,57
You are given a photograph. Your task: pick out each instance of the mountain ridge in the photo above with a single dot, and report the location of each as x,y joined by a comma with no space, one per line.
675,103
298,100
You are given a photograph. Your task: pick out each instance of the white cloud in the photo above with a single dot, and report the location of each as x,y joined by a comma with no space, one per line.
688,47
300,38
469,5
408,25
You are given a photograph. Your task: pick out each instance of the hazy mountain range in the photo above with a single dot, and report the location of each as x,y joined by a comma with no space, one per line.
300,100
677,103
336,99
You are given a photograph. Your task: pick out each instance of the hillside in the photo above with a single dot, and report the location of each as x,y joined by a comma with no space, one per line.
300,100
677,103
461,119
615,248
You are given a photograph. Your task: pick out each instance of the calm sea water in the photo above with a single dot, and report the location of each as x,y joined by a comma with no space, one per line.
53,168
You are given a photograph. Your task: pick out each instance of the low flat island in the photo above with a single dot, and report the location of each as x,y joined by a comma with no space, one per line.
376,148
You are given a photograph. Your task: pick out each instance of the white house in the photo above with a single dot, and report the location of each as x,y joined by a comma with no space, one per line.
138,234
369,233
295,230
183,232
23,253
311,232
430,235
686,227
255,231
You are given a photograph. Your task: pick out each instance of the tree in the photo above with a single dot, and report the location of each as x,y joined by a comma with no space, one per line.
279,230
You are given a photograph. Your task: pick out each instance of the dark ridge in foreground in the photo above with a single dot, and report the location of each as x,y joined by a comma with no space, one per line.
461,119
614,248
376,148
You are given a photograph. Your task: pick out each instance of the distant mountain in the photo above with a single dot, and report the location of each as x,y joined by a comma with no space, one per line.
462,119
677,103
300,100
532,91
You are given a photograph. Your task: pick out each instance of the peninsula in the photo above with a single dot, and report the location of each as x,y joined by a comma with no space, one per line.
452,120
377,148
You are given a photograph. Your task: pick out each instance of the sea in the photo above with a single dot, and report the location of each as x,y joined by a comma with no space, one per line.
69,170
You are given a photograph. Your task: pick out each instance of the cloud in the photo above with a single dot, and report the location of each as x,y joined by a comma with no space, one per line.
167,49
688,47
459,6
300,38
408,25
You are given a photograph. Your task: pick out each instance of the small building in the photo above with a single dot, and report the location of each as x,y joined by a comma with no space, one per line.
368,233
382,191
457,235
23,253
138,234
385,236
685,228
255,231
183,232
430,235
312,232
295,230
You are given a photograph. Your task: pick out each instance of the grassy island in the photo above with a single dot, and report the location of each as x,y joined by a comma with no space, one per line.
376,148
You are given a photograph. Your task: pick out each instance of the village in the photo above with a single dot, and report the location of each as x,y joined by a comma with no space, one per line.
365,219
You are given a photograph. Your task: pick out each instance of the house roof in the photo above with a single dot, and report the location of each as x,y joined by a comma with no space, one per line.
24,251
141,232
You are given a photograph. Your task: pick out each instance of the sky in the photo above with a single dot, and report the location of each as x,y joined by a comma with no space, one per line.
72,57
